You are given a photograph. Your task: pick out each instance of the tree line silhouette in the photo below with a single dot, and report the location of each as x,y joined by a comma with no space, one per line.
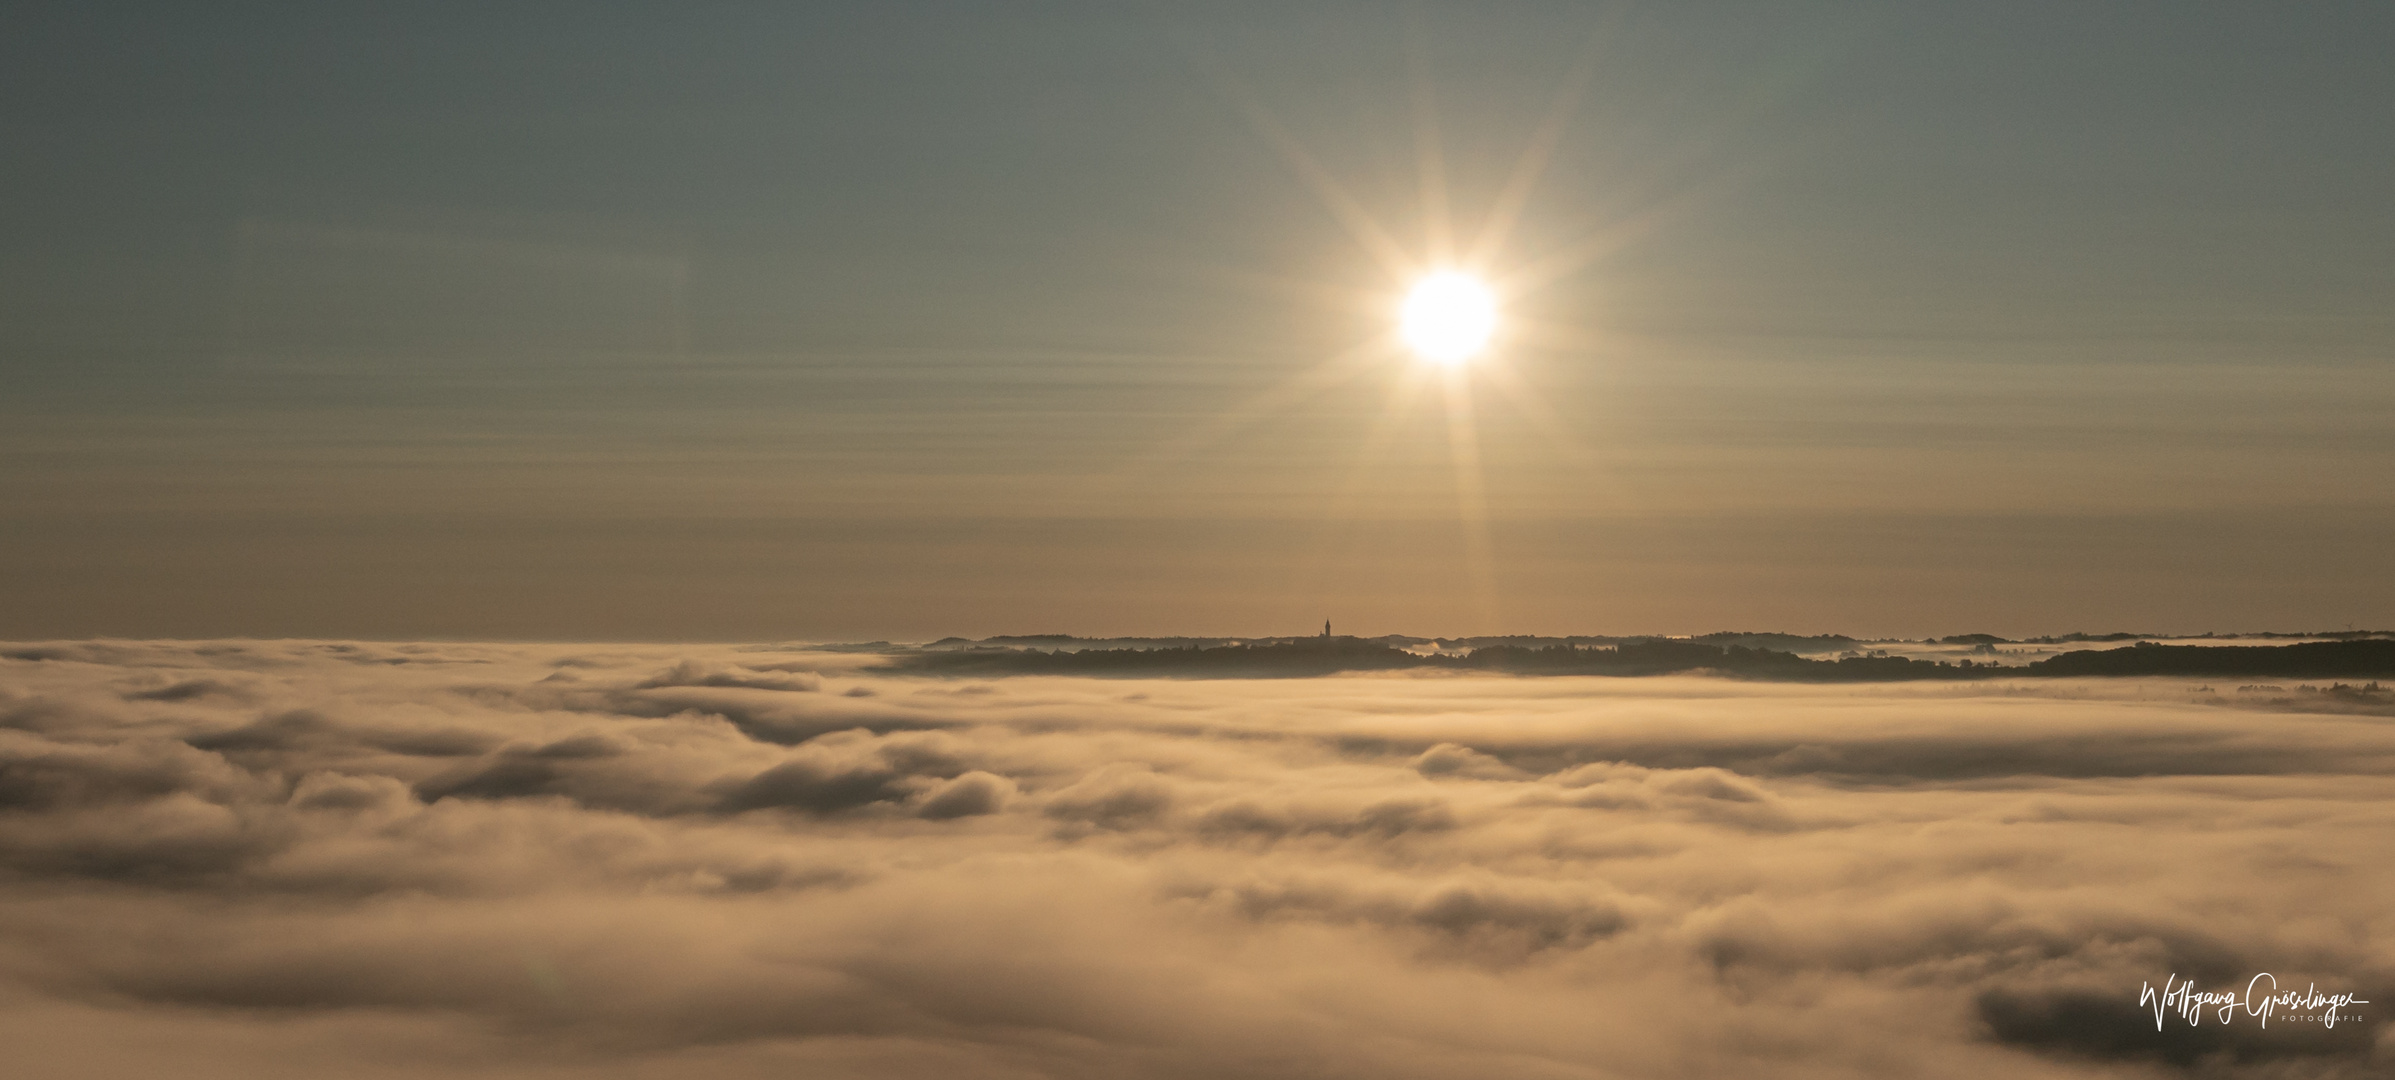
2353,658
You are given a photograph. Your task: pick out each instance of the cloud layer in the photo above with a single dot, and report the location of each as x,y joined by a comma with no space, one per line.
266,859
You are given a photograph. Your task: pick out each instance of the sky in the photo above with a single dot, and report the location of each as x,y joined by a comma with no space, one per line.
845,321
307,858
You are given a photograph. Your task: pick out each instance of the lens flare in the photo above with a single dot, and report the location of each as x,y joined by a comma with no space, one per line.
1448,318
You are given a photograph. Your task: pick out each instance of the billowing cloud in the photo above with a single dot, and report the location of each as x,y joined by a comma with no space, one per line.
268,859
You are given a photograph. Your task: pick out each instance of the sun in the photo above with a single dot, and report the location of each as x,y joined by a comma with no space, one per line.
1448,318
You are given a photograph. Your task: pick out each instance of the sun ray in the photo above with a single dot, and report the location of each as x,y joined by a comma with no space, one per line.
1546,268
1342,508
1281,396
1394,409
1547,335
1430,161
1345,208
1471,497
1542,417
1446,318
1506,213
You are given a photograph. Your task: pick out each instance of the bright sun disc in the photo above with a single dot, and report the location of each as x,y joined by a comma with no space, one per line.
1448,318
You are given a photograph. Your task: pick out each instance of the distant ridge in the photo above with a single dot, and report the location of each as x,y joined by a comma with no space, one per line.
2350,657
1795,643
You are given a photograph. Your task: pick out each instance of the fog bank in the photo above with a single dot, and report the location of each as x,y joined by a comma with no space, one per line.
298,858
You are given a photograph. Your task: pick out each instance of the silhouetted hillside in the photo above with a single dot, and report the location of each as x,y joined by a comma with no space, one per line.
1325,656
2308,660
1309,656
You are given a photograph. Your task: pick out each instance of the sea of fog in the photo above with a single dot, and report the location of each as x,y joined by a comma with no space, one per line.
305,859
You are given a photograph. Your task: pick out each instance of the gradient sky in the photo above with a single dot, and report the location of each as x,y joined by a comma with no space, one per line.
747,321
